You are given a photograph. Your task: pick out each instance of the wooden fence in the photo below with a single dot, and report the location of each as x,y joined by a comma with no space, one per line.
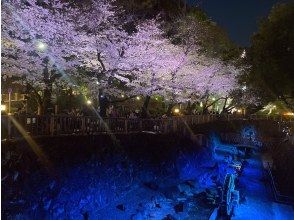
17,127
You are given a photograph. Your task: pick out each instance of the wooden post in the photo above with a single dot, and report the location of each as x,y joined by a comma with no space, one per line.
126,126
52,125
175,124
83,128
56,109
165,126
141,125
9,127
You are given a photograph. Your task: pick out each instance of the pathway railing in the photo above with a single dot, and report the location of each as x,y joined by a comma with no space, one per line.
277,195
18,126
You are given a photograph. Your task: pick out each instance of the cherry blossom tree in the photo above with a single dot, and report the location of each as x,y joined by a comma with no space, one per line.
38,42
43,43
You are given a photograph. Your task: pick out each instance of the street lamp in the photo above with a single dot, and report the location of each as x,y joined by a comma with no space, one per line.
177,110
41,46
3,108
9,100
243,55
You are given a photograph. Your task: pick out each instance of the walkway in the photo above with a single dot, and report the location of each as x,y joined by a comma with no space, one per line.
258,203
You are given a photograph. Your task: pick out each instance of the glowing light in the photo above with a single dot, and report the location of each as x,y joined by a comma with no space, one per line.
201,104
213,99
138,97
3,108
41,46
243,55
289,114
97,82
89,102
177,110
239,110
156,98
122,95
244,88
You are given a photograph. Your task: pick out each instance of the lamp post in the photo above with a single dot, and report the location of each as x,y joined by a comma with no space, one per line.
9,100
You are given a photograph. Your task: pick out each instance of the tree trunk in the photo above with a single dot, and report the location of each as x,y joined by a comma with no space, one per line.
190,108
224,107
47,99
70,100
169,109
40,109
145,112
103,103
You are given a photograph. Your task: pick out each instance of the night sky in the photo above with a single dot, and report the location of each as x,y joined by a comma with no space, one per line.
239,17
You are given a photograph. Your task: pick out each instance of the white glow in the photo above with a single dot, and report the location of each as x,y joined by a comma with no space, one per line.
3,108
138,97
89,102
243,55
177,110
41,46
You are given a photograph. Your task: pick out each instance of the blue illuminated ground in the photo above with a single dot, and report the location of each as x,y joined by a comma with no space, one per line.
120,189
258,202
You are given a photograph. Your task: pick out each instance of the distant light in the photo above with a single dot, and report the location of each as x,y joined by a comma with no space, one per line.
239,110
244,88
201,104
156,98
138,97
3,108
243,55
177,110
41,46
289,114
97,82
89,102
213,99
122,95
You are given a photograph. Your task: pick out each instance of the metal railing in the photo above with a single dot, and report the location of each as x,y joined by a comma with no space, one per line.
277,195
17,126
